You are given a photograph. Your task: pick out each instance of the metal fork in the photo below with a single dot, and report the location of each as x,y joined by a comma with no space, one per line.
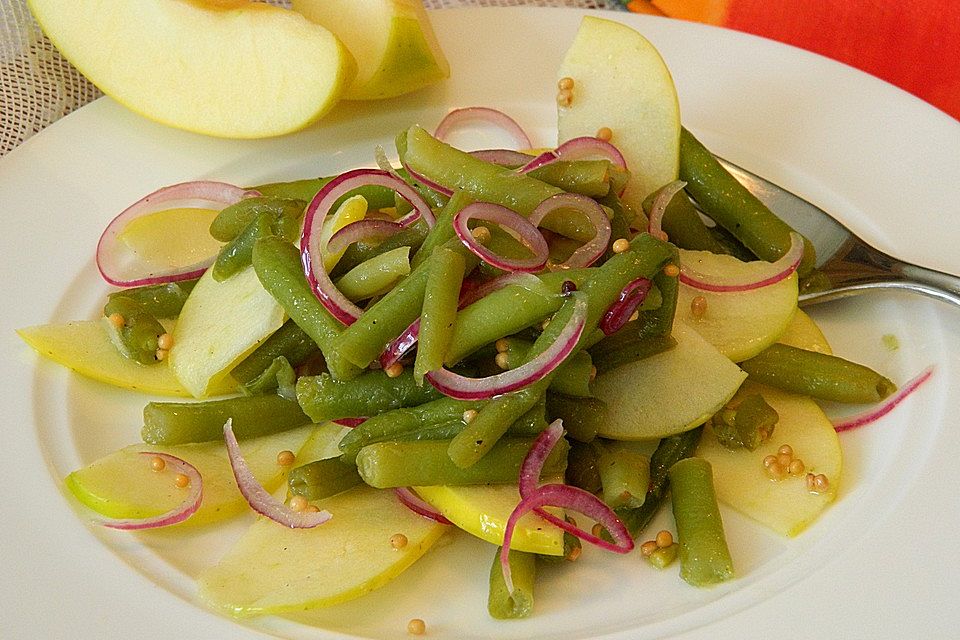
846,264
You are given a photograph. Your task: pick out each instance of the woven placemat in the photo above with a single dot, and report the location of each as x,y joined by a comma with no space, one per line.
38,86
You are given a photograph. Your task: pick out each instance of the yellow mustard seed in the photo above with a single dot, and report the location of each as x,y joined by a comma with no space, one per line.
165,341
620,245
298,503
416,627
158,464
671,270
605,134
698,307
565,83
394,370
286,458
398,541
182,480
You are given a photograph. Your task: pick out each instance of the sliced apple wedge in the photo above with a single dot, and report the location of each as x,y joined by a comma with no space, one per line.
621,82
274,569
803,333
392,41
741,324
483,511
123,484
220,323
786,505
668,393
232,69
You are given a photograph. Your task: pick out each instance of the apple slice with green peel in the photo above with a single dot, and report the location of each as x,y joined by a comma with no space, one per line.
621,82
668,393
785,505
123,484
86,347
392,41
740,324
220,323
275,569
228,68
483,510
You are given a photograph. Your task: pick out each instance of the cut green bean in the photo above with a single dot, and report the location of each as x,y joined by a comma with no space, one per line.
376,276
377,197
583,467
747,425
684,226
232,220
582,417
360,252
734,207
279,377
370,394
502,604
323,478
169,423
819,375
159,300
280,271
426,463
624,476
704,556
442,231
441,295
572,378
289,341
137,333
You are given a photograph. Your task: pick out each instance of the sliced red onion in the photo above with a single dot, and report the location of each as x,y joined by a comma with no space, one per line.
528,234
350,423
590,252
772,272
425,181
463,388
571,499
418,505
312,253
630,297
179,513
502,157
458,117
577,149
373,229
885,407
259,498
401,345
112,261
661,199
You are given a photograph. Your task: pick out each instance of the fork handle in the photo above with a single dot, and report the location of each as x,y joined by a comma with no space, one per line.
935,284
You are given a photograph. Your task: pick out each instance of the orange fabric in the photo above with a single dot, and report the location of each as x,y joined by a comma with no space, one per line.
914,44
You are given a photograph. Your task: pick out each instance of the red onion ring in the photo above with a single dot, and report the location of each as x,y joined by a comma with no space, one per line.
661,199
458,117
502,157
630,297
419,506
108,250
367,229
350,423
885,407
577,149
311,253
592,250
179,513
772,273
259,498
399,346
463,388
528,234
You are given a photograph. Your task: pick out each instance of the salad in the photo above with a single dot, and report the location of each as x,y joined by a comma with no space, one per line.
497,334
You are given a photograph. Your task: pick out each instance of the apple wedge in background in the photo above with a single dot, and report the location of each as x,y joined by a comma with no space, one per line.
228,68
392,41
620,82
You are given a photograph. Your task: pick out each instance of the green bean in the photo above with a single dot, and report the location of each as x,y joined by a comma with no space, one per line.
237,254
232,220
819,375
360,252
168,423
280,271
278,377
492,421
440,297
459,171
747,425
671,449
663,557
704,557
398,422
684,226
442,230
322,478
624,476
620,222
502,604
289,341
377,197
137,336
591,178
582,417
159,300
734,207
401,464
572,378
507,311
376,276
583,466
365,339
370,394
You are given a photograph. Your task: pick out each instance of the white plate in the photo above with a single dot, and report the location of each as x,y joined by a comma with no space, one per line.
881,563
